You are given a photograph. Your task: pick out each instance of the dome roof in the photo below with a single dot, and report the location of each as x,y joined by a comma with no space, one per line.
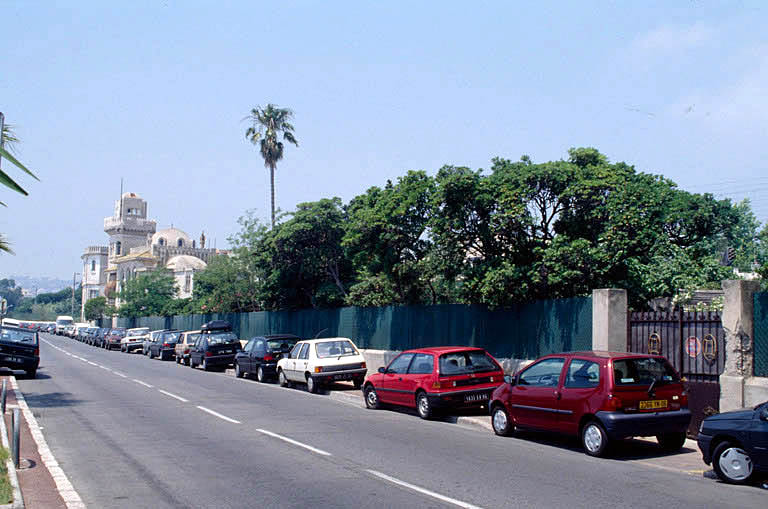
171,237
185,262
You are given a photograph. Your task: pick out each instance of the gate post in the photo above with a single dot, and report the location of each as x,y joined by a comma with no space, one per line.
609,320
738,324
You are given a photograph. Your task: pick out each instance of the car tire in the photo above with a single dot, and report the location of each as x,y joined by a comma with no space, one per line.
594,439
284,382
732,464
186,361
671,442
32,373
205,365
191,363
150,354
312,385
260,375
423,406
500,421
371,397
238,373
357,383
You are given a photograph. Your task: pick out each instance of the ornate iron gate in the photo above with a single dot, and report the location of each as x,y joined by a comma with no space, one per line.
694,342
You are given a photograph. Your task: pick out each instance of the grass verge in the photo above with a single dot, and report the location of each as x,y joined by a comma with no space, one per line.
6,490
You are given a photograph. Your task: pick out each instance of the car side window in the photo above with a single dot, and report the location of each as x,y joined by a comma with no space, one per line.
583,374
544,373
422,364
304,351
295,351
259,346
249,346
400,364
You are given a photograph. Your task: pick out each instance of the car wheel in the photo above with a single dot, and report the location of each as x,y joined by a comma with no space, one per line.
150,354
423,407
238,373
191,363
671,441
371,397
732,464
502,424
187,361
206,367
357,383
32,373
283,379
260,375
312,385
594,439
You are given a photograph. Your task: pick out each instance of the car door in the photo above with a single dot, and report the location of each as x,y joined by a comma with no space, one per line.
582,382
244,358
392,389
289,367
301,363
421,374
534,397
196,353
256,355
758,435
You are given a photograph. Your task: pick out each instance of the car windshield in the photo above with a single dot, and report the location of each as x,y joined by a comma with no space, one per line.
18,336
643,371
171,337
335,349
281,345
462,363
64,322
218,338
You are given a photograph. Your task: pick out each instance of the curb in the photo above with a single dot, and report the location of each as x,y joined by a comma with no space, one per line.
18,499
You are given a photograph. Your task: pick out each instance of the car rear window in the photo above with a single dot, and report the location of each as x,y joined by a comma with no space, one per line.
643,371
470,361
218,338
281,345
335,349
171,338
18,336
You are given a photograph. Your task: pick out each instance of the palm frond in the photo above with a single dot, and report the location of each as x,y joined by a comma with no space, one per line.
7,155
10,140
5,245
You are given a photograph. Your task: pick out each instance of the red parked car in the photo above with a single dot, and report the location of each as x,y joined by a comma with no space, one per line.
449,377
599,396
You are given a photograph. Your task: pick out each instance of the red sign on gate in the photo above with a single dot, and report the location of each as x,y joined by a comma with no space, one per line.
693,346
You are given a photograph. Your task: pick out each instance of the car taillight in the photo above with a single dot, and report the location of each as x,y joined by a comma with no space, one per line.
268,358
435,385
186,351
613,403
208,354
166,344
37,352
363,365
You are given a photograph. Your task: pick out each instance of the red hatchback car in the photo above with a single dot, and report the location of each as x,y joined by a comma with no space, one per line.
435,378
599,396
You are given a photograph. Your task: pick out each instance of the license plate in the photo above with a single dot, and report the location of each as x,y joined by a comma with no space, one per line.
653,404
476,397
225,351
341,377
12,359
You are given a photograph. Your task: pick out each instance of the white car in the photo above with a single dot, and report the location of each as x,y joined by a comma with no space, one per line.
134,339
322,361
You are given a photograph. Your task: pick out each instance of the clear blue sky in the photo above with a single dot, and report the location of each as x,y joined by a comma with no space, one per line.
154,91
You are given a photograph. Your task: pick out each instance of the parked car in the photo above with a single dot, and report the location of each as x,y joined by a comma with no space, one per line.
736,444
101,337
260,355
215,347
163,347
316,362
114,338
89,337
153,336
133,339
599,396
79,333
69,331
20,349
429,379
183,346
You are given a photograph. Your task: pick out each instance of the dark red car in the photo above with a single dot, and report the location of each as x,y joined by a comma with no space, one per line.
113,337
449,377
599,396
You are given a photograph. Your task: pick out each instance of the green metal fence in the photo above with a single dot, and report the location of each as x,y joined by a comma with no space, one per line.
524,332
761,334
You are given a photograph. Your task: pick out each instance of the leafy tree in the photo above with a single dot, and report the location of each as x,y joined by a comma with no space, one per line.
95,308
267,125
223,286
10,291
147,294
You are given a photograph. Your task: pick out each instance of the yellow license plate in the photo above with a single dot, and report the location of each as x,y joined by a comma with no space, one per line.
653,404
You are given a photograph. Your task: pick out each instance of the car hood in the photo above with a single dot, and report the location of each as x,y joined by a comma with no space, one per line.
735,415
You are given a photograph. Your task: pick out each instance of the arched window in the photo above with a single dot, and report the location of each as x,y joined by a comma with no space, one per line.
161,241
180,243
93,265
118,247
188,282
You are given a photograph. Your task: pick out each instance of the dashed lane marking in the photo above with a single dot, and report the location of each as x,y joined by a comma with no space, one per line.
217,414
173,396
145,384
423,491
294,442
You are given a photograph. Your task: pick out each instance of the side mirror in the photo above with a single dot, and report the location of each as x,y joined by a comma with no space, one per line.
509,379
382,370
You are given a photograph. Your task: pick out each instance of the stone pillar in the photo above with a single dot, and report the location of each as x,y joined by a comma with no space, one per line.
738,323
609,320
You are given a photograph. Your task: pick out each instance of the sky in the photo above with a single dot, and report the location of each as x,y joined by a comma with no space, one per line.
154,92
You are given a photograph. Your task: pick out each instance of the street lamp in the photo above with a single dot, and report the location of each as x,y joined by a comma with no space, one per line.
74,275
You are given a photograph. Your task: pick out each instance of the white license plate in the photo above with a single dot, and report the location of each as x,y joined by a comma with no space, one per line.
12,359
225,351
476,397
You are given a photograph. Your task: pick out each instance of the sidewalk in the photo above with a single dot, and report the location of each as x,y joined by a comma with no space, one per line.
37,484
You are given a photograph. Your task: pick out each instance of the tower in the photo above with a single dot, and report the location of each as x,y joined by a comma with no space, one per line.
129,226
94,274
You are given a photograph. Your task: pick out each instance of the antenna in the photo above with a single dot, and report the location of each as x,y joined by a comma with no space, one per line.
121,198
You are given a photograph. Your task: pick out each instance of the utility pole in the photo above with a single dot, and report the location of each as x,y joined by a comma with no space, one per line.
74,275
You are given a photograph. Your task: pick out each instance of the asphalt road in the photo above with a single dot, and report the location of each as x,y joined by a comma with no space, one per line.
210,440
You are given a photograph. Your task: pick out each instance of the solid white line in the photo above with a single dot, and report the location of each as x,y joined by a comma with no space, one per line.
145,384
422,490
173,396
217,414
120,374
63,485
93,364
294,442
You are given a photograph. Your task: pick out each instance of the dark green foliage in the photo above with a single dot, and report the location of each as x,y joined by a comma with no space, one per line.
147,294
95,308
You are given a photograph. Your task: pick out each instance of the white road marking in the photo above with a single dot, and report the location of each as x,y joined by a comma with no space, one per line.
66,490
422,490
173,396
294,442
217,414
120,374
145,384
93,364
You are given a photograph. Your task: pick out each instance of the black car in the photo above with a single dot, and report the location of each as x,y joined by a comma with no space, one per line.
736,444
261,354
163,345
19,349
215,347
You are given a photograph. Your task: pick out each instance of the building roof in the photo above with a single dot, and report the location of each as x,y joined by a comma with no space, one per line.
185,262
141,255
171,236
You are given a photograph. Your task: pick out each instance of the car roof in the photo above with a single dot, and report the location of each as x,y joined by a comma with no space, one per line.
278,336
604,354
192,331
440,350
320,340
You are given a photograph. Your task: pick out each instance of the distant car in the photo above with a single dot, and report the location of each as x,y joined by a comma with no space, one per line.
19,349
600,396
90,335
215,347
184,345
51,329
153,336
163,347
133,339
317,362
260,355
736,443
429,379
113,337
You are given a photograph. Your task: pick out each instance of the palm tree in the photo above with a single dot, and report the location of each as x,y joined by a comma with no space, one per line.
8,136
267,124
